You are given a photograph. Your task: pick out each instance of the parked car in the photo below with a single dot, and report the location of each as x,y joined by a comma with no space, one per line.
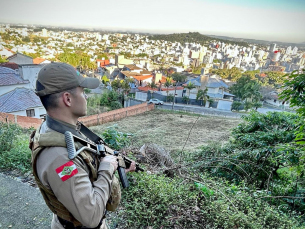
156,101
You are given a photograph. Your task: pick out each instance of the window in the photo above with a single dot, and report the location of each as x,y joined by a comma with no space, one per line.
30,113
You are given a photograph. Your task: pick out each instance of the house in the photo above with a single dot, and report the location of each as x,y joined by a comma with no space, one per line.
23,102
217,90
10,79
20,58
30,72
5,52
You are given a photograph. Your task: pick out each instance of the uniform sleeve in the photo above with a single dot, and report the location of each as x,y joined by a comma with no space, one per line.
85,200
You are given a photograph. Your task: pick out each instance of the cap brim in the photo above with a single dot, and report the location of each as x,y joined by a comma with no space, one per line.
90,83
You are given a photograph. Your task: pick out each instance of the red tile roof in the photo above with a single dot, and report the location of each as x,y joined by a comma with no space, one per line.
142,77
38,60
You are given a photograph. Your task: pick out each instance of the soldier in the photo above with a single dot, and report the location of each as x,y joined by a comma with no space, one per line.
77,191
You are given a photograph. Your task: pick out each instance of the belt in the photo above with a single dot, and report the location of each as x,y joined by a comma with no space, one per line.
69,225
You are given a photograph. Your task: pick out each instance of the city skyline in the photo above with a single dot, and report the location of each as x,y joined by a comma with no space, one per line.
265,20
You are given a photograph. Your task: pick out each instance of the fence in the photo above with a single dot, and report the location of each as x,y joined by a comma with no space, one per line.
91,120
23,121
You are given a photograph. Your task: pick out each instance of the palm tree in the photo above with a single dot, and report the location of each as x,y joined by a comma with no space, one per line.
167,84
178,78
152,85
202,95
190,86
125,84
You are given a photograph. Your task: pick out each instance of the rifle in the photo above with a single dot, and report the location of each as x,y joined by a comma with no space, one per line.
101,150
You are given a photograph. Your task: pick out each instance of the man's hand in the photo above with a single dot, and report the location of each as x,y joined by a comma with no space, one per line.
132,167
112,160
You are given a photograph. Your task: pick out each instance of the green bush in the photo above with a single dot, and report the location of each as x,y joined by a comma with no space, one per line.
14,151
114,138
8,134
260,156
19,156
236,106
115,105
185,99
170,98
162,202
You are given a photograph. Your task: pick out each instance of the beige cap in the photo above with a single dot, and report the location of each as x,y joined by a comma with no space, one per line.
58,77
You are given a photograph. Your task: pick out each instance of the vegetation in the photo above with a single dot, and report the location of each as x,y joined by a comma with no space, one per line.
190,86
14,151
202,95
77,59
192,37
252,179
114,138
186,99
3,60
109,100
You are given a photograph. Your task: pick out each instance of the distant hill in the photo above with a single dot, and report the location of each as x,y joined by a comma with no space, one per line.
259,42
193,37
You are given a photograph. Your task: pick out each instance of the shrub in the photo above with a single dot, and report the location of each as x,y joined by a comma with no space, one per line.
170,98
236,106
115,105
185,99
162,202
14,151
114,138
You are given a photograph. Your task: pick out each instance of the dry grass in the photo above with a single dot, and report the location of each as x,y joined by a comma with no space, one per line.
170,130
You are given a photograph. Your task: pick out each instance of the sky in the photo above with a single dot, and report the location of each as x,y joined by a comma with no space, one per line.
273,20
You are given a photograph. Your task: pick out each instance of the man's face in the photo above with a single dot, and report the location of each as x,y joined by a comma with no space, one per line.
79,103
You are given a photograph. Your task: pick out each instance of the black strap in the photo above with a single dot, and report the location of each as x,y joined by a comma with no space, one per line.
69,225
62,128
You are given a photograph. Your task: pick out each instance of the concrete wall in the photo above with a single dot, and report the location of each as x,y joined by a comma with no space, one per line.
91,120
30,72
224,105
39,111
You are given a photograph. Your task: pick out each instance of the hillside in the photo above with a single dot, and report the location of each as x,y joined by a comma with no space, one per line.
193,37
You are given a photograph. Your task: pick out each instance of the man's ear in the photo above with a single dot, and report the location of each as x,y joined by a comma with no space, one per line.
67,99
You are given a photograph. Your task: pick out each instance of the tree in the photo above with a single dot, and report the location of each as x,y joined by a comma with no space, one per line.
167,84
101,56
190,86
202,95
257,105
275,78
234,73
26,39
153,86
116,84
236,106
3,60
105,79
246,88
178,78
126,85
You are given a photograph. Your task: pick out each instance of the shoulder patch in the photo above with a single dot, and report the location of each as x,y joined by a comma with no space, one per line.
67,170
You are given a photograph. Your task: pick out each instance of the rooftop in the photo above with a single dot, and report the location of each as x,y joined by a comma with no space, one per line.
8,76
18,100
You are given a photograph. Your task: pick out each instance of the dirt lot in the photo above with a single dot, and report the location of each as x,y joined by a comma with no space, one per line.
170,130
